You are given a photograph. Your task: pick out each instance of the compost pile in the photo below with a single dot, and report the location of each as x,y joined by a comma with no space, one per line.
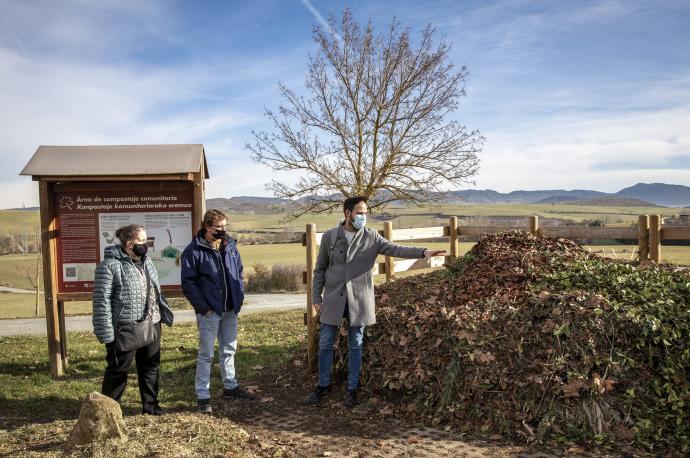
536,339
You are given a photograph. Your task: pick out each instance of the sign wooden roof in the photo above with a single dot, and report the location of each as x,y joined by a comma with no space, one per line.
116,160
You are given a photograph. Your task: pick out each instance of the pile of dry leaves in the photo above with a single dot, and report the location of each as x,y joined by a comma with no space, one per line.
508,342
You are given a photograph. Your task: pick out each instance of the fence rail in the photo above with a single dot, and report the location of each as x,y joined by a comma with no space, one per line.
649,234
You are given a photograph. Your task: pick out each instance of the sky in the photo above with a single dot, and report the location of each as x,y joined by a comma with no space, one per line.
569,94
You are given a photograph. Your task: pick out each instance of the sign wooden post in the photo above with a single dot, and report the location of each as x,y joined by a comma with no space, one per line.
63,334
389,261
48,236
643,238
312,313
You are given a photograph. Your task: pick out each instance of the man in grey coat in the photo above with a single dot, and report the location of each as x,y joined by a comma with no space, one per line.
344,288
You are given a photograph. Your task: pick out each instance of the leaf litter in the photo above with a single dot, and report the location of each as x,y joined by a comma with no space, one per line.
535,339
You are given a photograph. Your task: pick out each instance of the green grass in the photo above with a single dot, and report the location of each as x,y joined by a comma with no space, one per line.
405,217
16,221
29,395
22,305
669,254
14,305
19,222
15,270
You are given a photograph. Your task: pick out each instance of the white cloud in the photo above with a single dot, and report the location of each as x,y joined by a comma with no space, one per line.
66,78
569,151
67,103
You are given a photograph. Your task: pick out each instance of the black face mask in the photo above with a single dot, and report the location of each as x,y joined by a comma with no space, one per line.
140,250
220,234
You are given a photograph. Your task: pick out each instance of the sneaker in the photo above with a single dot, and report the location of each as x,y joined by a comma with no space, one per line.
239,394
317,395
152,410
351,398
204,406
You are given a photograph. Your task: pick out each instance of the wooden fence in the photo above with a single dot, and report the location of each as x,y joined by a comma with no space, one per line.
649,234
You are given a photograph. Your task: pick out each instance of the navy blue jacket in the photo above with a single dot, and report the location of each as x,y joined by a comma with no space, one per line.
204,283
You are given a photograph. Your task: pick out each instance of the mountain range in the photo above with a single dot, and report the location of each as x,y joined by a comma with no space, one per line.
668,195
641,194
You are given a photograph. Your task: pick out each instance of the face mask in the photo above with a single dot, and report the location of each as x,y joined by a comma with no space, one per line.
359,222
220,234
140,250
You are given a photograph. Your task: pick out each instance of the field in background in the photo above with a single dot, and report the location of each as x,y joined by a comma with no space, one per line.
404,217
15,269
19,221
14,305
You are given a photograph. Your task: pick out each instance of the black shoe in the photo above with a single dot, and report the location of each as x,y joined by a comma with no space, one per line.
204,406
152,410
239,394
317,395
351,398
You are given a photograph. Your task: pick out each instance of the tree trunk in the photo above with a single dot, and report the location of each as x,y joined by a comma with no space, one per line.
38,278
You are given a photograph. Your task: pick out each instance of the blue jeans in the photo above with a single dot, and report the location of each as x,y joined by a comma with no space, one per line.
355,338
225,328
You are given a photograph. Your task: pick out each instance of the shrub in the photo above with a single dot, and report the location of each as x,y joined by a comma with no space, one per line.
286,277
277,278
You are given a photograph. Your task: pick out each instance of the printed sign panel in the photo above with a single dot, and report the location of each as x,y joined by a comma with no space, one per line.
87,221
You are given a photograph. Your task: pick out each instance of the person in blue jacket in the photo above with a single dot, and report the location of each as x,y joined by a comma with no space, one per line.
212,282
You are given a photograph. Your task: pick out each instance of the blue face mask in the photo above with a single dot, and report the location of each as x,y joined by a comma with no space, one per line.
359,222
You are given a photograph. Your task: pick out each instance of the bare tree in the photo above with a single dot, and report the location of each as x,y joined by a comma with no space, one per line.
375,122
34,278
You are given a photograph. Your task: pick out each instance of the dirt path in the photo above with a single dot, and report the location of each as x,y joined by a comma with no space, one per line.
280,426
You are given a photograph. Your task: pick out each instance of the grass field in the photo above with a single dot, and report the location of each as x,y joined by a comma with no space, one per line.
22,305
15,269
404,217
17,221
29,394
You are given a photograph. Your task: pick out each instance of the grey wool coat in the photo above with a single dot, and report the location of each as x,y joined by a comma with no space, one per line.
343,273
119,293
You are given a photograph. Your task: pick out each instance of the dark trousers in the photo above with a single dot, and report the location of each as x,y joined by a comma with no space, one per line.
148,369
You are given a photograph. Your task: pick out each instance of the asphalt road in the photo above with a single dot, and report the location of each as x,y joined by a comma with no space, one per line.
253,303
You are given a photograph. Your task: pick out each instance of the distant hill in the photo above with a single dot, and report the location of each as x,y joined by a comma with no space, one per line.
612,201
670,195
489,196
248,203
556,200
641,194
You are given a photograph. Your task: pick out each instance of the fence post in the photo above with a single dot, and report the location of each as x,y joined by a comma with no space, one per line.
453,232
655,238
312,314
390,266
534,225
643,236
